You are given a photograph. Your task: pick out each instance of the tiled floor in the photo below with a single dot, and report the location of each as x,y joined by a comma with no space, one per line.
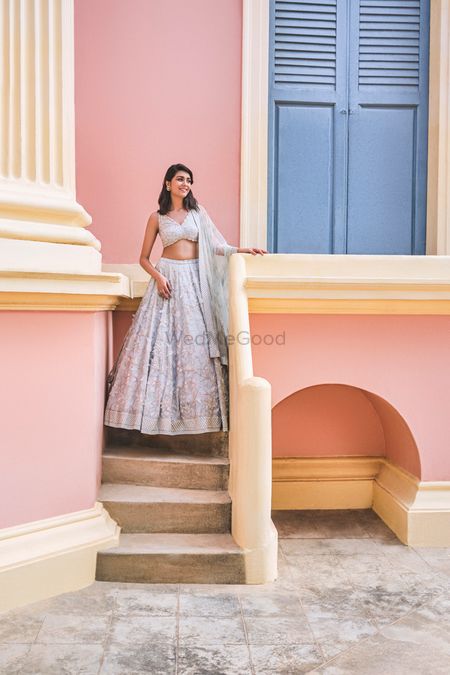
350,598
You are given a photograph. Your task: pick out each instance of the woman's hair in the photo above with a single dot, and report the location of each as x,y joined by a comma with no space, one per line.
164,199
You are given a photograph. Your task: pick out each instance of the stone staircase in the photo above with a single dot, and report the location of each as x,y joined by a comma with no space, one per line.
173,508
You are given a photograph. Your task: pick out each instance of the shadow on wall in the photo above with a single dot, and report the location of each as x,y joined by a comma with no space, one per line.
331,420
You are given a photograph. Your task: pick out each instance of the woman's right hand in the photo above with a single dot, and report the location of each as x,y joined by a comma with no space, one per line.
164,287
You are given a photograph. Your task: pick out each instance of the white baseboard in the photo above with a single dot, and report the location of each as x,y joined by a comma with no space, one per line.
417,511
45,558
323,482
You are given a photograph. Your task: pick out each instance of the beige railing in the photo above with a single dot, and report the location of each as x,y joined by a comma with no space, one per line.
250,441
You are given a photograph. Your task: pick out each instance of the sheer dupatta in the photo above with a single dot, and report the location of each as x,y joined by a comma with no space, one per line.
214,253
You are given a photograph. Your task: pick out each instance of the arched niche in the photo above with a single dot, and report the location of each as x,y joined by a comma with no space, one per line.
335,420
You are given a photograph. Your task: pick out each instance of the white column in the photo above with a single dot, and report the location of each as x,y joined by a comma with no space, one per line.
438,199
42,227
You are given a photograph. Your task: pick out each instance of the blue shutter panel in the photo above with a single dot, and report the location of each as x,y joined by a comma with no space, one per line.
389,43
305,44
388,127
304,81
348,126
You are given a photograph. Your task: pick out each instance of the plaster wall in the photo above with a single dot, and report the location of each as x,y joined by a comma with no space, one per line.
154,86
402,361
53,364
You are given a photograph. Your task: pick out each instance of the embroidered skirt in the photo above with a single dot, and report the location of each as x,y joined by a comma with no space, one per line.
164,380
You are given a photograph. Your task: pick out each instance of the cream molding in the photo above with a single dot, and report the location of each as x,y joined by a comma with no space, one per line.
62,234
325,468
51,556
339,284
59,291
296,284
417,511
58,208
438,188
347,306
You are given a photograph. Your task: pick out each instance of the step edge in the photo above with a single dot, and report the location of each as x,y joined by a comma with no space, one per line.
215,496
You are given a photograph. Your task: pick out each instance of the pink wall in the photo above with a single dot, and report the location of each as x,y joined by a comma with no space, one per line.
403,360
155,83
54,365
330,419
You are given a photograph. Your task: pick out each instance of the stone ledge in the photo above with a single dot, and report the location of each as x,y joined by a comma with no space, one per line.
43,290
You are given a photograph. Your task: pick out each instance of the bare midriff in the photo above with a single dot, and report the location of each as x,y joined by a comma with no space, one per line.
183,249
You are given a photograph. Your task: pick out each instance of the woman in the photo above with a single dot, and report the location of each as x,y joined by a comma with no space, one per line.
171,376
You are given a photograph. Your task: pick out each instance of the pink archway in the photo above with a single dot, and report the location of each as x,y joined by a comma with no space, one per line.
335,420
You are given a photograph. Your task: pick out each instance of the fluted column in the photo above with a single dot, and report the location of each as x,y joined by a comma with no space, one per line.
42,226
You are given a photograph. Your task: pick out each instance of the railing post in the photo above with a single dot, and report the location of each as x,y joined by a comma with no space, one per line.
250,442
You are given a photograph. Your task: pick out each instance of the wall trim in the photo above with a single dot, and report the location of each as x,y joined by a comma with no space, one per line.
438,188
323,482
45,558
418,512
254,123
347,306
35,289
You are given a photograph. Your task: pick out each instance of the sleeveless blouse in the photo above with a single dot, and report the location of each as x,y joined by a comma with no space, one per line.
170,231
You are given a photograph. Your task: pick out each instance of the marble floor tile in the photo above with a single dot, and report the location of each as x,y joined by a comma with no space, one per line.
285,659
295,524
375,528
203,630
278,630
385,605
360,563
20,626
202,604
211,589
341,602
350,546
143,629
12,657
146,601
95,600
406,559
126,659
56,659
436,611
404,648
226,659
434,554
271,604
317,572
326,627
348,595
73,628
338,524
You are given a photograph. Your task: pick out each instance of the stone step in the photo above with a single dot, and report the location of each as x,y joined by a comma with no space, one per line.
163,468
214,443
173,558
138,508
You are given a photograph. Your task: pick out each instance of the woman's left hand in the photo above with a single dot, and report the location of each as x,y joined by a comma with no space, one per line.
253,251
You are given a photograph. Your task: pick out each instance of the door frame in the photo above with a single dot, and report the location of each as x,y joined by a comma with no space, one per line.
254,127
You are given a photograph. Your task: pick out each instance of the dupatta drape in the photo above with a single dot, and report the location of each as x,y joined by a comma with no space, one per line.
214,253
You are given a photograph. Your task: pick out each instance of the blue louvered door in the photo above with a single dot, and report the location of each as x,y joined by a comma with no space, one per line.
348,110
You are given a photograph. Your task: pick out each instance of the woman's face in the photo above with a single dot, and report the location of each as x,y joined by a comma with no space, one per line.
180,185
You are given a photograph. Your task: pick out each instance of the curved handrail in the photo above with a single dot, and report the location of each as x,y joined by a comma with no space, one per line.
250,436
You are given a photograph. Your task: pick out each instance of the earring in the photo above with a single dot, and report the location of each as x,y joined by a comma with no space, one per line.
167,188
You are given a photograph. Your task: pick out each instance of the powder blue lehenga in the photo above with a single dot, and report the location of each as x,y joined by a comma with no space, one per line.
164,380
